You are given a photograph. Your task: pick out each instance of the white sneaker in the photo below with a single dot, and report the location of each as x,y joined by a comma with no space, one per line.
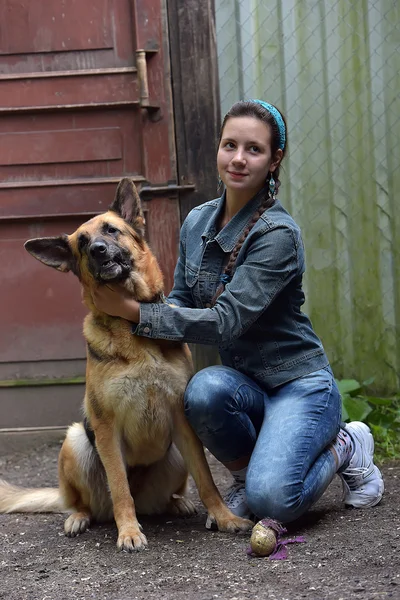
235,499
362,481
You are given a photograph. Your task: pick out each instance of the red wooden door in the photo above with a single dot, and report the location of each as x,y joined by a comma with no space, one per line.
84,100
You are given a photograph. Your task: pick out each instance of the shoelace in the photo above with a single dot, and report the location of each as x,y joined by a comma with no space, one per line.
353,478
236,495
353,475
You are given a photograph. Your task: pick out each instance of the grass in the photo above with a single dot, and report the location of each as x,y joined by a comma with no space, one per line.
382,415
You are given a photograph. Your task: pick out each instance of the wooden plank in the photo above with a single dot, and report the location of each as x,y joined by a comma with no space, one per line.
51,26
148,24
157,142
59,182
112,158
76,51
57,198
64,108
42,406
196,97
195,92
44,147
24,439
162,224
43,93
42,369
41,314
74,90
70,73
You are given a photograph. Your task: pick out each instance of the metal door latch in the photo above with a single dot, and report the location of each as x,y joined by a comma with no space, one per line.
170,189
144,97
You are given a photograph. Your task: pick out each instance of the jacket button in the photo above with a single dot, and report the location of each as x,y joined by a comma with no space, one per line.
146,330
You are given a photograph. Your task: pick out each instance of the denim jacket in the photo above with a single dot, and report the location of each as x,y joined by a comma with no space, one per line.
257,322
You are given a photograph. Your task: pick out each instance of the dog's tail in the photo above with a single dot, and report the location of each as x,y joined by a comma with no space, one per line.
15,499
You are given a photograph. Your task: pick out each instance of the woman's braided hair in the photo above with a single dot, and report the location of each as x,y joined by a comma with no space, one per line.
251,109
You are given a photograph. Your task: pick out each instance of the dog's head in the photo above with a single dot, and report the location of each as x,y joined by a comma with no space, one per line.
109,248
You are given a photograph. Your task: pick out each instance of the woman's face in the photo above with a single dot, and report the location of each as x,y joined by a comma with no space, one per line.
244,155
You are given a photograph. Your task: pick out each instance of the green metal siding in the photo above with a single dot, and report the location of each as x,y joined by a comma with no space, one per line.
333,68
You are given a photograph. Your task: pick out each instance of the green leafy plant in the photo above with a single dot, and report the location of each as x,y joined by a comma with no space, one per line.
382,415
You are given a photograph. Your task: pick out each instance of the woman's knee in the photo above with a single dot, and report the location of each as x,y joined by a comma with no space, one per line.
206,395
275,498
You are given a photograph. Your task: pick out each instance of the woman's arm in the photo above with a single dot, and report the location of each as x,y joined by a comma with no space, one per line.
271,263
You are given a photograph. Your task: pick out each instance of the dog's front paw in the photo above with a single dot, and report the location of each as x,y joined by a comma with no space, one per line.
131,540
232,524
76,523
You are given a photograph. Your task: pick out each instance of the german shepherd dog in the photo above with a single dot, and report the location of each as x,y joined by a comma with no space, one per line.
127,454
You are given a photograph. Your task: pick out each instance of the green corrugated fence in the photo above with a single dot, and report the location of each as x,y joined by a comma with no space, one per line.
333,67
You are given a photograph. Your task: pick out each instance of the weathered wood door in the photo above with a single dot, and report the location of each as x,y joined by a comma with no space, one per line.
84,100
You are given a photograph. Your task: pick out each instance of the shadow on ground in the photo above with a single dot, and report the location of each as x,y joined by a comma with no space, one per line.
348,554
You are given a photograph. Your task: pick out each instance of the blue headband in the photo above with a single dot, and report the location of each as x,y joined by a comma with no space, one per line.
278,120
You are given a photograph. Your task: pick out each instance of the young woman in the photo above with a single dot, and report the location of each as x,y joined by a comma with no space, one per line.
271,413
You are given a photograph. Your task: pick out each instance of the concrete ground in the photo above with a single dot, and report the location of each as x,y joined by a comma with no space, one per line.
347,554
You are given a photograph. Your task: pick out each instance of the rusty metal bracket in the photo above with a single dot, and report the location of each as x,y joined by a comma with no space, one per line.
171,188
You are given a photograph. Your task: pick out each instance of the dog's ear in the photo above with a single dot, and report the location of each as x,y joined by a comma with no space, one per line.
53,251
127,205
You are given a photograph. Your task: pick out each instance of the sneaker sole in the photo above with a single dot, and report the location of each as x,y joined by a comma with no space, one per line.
357,429
361,430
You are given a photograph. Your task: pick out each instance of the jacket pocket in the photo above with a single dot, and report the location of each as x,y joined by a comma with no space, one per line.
270,355
191,275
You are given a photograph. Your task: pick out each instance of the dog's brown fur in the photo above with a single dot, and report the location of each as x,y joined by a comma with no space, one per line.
133,400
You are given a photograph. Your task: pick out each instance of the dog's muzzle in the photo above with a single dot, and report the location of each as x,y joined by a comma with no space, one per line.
107,261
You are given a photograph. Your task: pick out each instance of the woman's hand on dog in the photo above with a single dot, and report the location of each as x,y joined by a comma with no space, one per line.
113,300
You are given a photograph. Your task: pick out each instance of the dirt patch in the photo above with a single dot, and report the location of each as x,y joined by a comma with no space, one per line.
347,554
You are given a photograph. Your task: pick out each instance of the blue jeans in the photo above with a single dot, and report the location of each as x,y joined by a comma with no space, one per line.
286,431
